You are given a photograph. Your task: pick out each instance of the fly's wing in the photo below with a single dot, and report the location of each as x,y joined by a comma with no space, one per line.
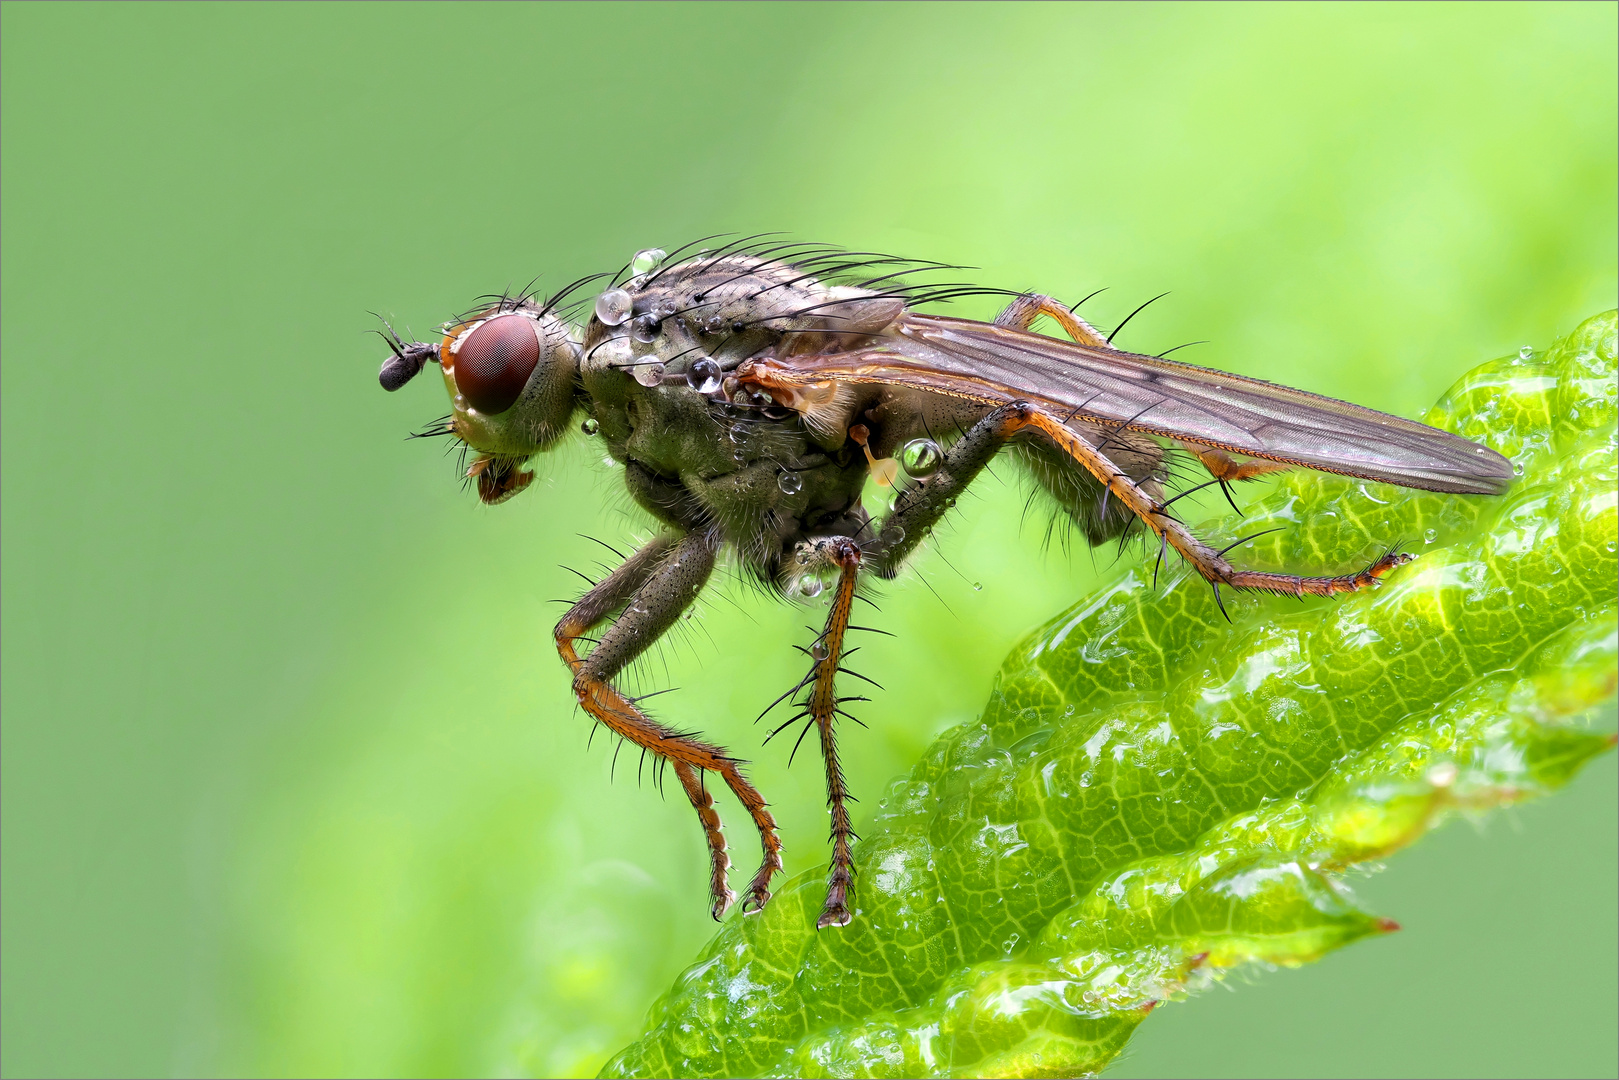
993,364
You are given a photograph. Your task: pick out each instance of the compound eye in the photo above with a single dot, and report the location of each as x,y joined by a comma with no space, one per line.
494,362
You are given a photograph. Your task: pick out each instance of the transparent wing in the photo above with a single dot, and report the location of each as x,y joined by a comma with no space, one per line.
993,364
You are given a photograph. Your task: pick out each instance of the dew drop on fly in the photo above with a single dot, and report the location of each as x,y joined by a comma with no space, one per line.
790,483
646,259
703,376
810,585
649,374
921,458
819,650
590,426
613,307
645,328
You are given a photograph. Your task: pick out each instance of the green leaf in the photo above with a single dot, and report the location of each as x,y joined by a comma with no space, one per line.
1154,796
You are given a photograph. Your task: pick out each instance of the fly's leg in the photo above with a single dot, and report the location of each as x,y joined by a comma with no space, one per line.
1021,313
824,707
655,585
919,506
1225,468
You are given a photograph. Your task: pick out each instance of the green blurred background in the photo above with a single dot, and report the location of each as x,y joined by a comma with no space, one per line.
292,778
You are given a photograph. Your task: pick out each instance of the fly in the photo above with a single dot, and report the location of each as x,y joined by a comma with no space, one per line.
750,392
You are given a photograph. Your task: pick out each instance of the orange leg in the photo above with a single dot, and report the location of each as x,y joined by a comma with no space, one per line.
919,506
823,707
1021,313
1224,468
654,586
1209,562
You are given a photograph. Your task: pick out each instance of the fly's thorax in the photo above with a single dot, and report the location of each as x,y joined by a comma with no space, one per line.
511,373
727,308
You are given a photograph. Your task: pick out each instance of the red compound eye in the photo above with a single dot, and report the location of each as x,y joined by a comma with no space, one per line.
495,361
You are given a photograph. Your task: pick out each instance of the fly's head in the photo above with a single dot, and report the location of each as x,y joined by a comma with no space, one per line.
511,371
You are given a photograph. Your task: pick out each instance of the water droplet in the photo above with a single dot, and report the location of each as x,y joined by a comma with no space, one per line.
809,585
590,426
613,306
713,325
646,259
645,328
921,458
1613,545
1526,353
737,432
1430,536
1517,468
649,374
819,650
978,586
790,483
896,533
703,376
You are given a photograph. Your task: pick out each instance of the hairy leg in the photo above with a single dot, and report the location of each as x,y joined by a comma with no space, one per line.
919,506
655,585
822,707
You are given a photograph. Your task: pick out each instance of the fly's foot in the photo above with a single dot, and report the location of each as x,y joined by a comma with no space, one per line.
836,912
1293,585
834,916
755,901
759,888
722,904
